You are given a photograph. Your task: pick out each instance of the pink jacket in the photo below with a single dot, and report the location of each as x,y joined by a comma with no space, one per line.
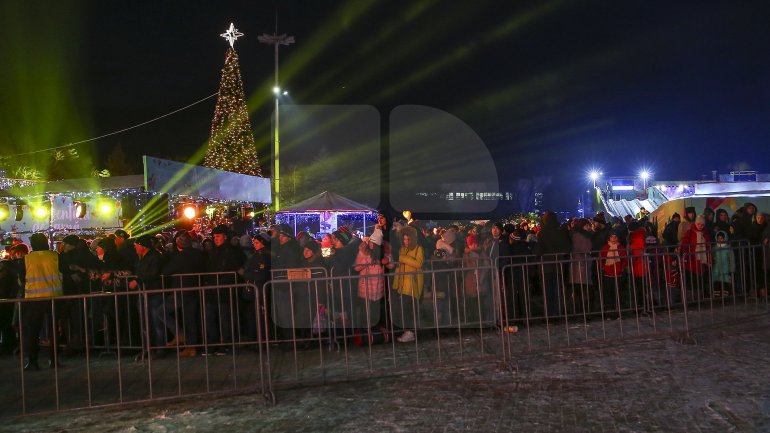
371,284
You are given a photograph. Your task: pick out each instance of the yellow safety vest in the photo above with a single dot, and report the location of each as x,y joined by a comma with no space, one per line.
43,278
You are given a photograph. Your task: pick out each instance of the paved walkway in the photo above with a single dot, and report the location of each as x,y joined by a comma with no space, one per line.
715,381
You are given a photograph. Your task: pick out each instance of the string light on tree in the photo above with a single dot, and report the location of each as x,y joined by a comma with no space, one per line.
231,145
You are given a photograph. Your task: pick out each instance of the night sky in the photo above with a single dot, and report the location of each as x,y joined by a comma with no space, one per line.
680,88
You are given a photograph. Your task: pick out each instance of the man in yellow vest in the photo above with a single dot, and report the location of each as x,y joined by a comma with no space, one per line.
42,279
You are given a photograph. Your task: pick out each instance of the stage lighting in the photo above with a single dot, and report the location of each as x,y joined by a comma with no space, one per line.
5,212
189,211
40,211
19,212
105,207
80,209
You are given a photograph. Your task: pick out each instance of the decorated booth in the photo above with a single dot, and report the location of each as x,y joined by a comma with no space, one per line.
325,212
168,195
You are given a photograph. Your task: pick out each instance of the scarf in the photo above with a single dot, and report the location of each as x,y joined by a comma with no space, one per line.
613,257
700,247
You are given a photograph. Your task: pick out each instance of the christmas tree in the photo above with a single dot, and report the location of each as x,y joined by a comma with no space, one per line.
231,146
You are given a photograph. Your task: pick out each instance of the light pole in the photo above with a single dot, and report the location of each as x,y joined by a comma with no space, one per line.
594,175
644,175
276,40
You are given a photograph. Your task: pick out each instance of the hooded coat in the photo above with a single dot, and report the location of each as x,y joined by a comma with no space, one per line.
410,259
687,222
724,261
721,222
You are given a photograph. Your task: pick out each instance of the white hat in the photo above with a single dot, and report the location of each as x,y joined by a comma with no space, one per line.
376,236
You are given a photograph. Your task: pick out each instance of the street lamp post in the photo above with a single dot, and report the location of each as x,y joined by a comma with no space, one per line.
276,40
594,175
644,175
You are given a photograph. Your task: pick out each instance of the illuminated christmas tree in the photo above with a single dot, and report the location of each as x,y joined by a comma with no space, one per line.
231,146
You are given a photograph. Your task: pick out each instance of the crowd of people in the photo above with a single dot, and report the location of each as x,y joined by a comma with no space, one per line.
605,261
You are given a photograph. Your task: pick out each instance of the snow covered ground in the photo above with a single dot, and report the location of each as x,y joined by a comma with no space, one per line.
715,382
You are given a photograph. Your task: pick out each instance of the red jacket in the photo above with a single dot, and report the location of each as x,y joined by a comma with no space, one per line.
615,269
690,260
636,246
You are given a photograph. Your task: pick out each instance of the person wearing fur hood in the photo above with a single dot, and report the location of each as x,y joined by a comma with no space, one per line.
408,283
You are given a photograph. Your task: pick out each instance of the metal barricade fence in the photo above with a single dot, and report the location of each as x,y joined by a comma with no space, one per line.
153,370
574,300
305,326
344,327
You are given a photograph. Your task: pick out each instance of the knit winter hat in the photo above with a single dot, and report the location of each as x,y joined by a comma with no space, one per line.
71,240
285,230
183,240
145,241
343,236
220,230
263,238
313,246
376,237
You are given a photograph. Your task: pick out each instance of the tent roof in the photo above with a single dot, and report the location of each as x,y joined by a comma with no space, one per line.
328,201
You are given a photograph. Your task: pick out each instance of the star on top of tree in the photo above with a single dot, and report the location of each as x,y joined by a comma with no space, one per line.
231,35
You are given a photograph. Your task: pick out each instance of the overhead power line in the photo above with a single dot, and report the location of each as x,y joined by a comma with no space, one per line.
116,132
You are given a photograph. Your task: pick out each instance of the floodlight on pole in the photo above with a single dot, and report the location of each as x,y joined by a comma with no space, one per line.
276,40
594,176
644,174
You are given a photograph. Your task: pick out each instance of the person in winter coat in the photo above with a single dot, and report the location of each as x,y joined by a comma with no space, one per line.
408,284
552,242
371,282
671,232
225,260
762,292
447,262
637,239
614,263
184,259
689,220
696,256
148,272
722,222
581,267
600,231
724,265
257,272
42,278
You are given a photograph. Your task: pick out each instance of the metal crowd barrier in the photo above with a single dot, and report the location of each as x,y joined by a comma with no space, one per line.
572,301
323,329
309,326
227,357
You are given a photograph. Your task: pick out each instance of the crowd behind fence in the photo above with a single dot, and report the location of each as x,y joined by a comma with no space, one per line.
309,325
